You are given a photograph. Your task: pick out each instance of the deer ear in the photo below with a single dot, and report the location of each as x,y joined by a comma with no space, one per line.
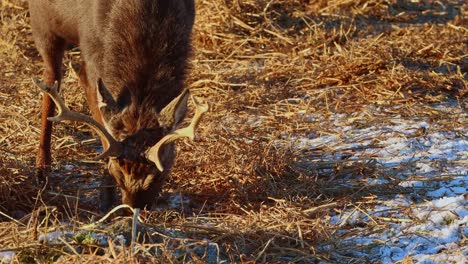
106,102
173,113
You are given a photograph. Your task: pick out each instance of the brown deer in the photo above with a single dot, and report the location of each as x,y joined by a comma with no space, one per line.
134,65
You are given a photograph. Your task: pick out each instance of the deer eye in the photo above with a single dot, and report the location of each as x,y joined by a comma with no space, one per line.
118,125
119,129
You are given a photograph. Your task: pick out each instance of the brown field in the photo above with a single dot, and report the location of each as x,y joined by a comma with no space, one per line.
245,186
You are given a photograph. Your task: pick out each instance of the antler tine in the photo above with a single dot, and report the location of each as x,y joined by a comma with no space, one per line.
153,153
64,113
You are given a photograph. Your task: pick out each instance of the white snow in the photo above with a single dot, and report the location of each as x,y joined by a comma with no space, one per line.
430,223
60,237
55,237
7,256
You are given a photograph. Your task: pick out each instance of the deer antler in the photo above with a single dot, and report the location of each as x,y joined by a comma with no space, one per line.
64,113
152,153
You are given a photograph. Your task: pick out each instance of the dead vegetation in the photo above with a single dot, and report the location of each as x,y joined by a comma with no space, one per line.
264,66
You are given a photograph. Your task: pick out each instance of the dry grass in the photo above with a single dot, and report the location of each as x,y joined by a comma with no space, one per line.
264,65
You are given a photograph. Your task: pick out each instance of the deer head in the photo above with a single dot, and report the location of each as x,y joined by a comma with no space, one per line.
138,160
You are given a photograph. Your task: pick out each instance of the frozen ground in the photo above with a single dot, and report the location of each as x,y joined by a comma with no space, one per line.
426,159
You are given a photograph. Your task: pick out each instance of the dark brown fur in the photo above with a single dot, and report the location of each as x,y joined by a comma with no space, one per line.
139,48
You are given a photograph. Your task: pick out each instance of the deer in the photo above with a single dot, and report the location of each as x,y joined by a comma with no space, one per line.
134,62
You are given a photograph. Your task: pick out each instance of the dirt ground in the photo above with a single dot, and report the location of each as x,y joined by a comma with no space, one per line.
243,186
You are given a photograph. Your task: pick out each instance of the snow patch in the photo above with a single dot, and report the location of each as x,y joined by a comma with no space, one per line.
428,224
7,256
